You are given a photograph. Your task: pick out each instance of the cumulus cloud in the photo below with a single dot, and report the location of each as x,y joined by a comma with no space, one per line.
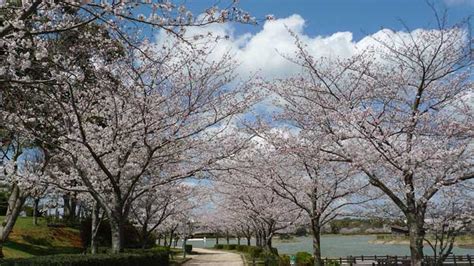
264,52
459,2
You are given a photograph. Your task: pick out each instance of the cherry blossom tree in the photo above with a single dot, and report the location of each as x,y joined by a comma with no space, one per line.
296,169
398,110
213,220
155,130
244,198
26,28
97,216
118,108
169,229
22,171
448,215
157,205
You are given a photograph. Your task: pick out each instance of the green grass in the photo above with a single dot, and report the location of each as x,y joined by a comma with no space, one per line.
29,240
461,241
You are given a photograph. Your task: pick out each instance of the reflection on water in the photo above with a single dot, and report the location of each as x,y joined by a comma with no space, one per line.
335,246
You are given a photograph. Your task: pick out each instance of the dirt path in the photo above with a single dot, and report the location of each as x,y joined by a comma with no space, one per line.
214,257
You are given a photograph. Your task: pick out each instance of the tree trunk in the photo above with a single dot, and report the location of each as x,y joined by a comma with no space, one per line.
227,237
35,210
268,243
15,203
70,204
72,214
66,209
95,227
80,212
238,240
144,235
116,227
217,238
316,232
416,234
258,239
248,241
171,237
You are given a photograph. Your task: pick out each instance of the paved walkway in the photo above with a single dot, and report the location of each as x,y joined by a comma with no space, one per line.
213,257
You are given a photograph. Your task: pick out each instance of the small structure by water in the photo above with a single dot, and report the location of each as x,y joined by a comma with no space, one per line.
399,230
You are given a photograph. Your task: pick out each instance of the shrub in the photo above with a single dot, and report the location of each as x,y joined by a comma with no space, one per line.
304,258
160,249
188,248
219,246
28,211
156,249
232,246
131,237
284,260
241,248
301,231
275,251
269,258
254,251
143,258
332,263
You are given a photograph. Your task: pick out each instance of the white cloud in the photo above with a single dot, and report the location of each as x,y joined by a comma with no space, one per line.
263,51
459,2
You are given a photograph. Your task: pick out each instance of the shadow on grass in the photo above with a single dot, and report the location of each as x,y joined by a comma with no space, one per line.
42,241
41,250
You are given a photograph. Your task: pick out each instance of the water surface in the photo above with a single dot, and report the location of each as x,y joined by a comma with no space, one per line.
336,246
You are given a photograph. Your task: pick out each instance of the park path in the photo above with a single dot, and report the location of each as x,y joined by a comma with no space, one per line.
209,257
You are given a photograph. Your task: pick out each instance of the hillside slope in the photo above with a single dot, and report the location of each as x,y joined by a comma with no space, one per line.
28,240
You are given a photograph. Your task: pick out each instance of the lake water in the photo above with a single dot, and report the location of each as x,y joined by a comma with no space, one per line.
336,246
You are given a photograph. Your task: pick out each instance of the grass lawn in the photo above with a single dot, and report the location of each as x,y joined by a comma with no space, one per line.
466,241
28,240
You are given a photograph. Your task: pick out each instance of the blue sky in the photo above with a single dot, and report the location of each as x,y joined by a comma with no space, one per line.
329,28
324,17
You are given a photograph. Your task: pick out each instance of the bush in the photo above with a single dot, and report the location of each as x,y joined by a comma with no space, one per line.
284,260
188,248
304,258
269,258
143,258
332,263
275,251
156,249
255,252
241,248
131,237
301,231
28,211
226,247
